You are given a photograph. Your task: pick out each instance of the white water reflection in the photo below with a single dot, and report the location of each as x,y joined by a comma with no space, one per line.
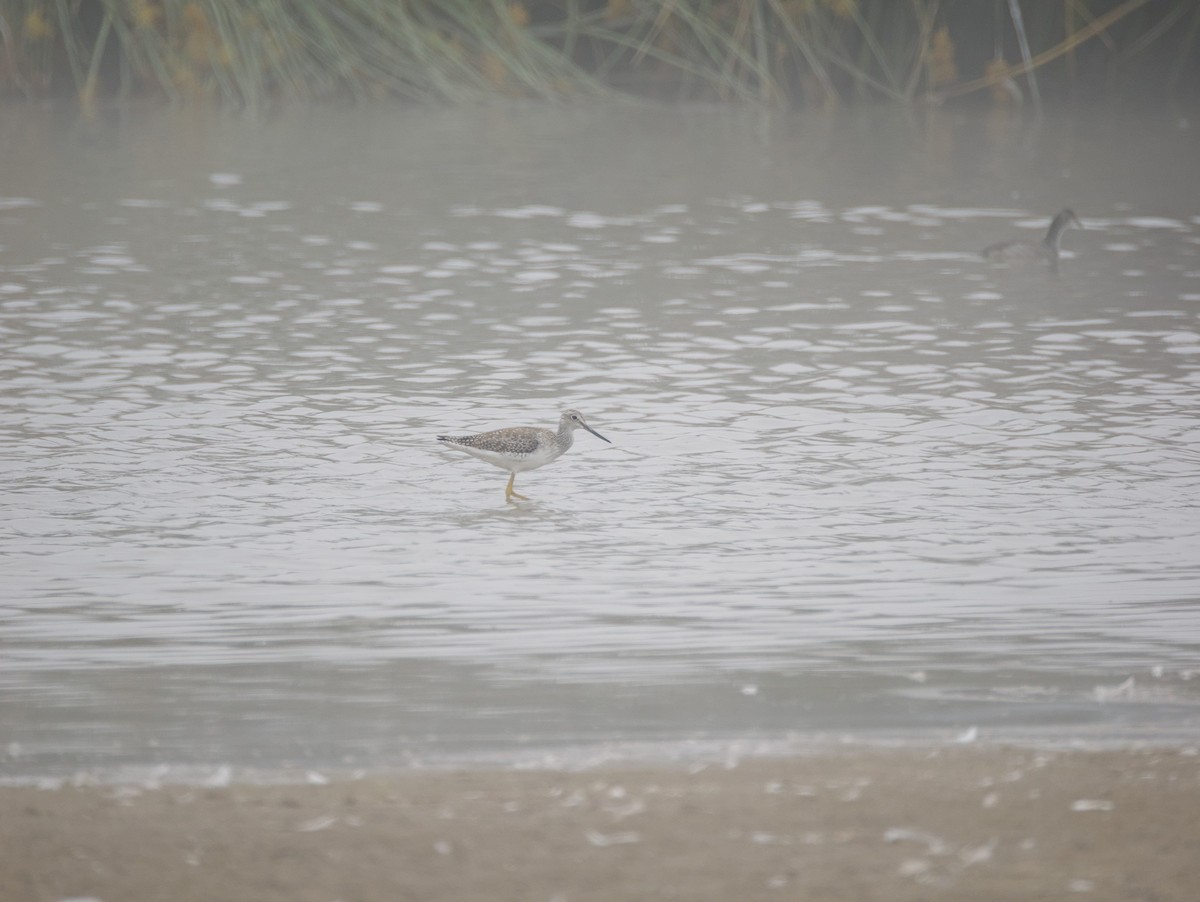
846,451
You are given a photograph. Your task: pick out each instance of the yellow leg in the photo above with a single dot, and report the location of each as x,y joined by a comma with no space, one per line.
510,493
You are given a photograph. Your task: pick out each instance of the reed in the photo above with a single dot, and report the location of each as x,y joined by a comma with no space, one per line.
779,52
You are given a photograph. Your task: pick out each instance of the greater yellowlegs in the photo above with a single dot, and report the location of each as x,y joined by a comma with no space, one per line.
522,448
1018,253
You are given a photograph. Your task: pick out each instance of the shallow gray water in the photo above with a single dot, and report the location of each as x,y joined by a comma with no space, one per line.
860,483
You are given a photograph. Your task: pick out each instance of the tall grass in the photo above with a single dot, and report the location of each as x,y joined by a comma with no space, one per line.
789,52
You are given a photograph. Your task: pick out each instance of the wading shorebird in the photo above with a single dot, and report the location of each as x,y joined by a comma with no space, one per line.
1023,253
522,448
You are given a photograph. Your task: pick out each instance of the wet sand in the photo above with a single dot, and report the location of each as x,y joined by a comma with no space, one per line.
969,822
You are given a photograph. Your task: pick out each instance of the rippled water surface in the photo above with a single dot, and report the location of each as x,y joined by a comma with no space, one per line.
860,481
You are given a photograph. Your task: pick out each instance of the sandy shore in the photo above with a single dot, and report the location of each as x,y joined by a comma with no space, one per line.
979,823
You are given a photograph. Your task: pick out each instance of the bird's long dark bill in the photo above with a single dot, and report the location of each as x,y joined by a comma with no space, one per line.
594,432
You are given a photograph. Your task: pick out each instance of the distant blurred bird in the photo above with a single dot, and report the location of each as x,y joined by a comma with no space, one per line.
1023,253
521,448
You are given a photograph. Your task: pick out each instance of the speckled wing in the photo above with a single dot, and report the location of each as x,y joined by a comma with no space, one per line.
500,441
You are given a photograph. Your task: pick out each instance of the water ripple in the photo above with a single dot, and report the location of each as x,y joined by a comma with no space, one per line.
841,445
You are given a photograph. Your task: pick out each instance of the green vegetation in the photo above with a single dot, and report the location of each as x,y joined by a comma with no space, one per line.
785,52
